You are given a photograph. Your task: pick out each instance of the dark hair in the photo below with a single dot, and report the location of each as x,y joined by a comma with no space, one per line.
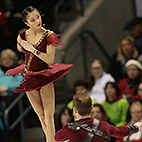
136,89
80,82
82,102
58,120
26,11
91,80
115,86
105,116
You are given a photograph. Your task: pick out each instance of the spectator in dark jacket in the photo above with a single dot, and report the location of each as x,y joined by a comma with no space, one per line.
126,50
134,27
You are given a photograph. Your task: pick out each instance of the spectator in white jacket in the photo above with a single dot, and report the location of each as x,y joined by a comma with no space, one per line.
98,80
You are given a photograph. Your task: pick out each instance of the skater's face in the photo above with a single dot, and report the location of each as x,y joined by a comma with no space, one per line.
133,72
65,117
96,113
80,89
96,70
126,48
34,20
136,112
110,91
140,90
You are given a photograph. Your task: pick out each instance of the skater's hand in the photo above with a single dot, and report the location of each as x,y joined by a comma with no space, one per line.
139,125
27,46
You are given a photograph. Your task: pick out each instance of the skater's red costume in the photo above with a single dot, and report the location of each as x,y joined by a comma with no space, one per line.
37,73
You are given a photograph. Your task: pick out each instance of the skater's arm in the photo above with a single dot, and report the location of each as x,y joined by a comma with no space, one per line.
19,47
120,131
47,57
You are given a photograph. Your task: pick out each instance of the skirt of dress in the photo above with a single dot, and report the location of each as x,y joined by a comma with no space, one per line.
34,81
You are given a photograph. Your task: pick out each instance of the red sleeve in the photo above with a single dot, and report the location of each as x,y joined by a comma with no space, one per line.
119,140
122,84
113,131
54,40
62,134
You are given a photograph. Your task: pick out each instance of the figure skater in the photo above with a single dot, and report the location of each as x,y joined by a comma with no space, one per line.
39,71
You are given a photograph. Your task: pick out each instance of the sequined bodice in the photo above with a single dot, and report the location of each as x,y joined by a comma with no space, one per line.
33,63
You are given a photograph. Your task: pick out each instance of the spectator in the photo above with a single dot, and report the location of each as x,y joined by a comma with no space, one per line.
64,117
8,60
126,50
136,116
139,93
128,85
99,113
97,81
134,27
80,86
115,106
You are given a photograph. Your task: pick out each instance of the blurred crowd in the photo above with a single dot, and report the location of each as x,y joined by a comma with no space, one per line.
116,93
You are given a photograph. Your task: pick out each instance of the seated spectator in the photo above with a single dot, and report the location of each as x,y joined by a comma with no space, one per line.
126,51
8,60
64,117
99,113
128,85
139,94
115,106
136,116
134,27
97,81
80,86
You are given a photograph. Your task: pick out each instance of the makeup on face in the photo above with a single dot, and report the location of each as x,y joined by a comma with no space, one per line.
34,19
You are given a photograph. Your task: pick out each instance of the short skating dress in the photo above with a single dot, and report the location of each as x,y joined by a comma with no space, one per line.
37,73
